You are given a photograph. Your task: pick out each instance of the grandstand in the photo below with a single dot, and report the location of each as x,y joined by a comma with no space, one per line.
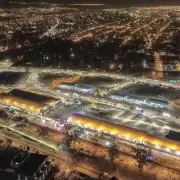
26,100
127,134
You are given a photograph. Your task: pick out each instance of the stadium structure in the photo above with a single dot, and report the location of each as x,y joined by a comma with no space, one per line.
26,100
127,134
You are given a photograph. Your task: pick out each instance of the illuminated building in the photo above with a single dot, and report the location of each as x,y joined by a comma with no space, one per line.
158,62
141,101
158,65
164,63
17,164
26,100
127,134
76,87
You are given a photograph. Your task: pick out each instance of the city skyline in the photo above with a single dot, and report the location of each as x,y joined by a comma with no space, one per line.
143,2
89,91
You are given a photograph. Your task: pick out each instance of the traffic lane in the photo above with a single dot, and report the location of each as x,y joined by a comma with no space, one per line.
60,158
21,142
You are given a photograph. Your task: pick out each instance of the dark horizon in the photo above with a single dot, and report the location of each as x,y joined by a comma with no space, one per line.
110,2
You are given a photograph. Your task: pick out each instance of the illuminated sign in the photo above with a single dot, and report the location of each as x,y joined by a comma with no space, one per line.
174,80
11,109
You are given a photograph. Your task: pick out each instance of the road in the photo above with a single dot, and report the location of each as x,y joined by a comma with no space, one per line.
128,38
28,136
95,73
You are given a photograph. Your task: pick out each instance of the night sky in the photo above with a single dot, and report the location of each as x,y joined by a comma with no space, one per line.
162,2
127,2
117,3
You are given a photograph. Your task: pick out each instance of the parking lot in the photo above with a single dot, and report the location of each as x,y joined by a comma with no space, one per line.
66,109
148,120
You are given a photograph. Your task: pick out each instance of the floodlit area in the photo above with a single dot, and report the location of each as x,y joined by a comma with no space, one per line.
65,108
154,124
26,100
151,121
97,119
126,134
95,87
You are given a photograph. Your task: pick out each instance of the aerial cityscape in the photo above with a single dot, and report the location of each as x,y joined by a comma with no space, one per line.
89,91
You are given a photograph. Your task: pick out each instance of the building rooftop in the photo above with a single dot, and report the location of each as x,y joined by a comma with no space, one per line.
26,100
32,163
10,77
149,91
124,132
98,81
6,156
173,135
14,161
31,96
7,176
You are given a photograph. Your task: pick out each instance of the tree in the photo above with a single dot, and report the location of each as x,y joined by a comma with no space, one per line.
27,148
76,134
9,141
43,131
113,178
67,141
1,142
103,176
141,157
113,152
